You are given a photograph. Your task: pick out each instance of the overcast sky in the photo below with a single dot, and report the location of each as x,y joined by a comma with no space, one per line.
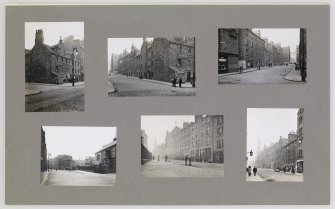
268,125
285,36
117,45
155,126
52,31
79,142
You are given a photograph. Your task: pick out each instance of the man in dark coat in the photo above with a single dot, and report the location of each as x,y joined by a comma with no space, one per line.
180,81
254,170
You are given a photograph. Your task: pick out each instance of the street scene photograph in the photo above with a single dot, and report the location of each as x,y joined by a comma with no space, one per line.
262,56
54,72
275,144
140,67
78,156
182,146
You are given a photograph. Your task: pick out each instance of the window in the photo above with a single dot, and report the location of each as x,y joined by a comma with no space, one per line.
189,49
179,48
179,62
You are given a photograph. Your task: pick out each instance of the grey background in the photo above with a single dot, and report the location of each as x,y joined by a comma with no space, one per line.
101,22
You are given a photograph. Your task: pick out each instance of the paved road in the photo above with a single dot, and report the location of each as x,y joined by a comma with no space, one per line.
270,75
57,99
132,86
79,178
270,175
177,168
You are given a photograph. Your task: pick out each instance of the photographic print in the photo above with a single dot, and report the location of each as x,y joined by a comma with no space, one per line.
151,67
78,156
262,56
54,72
275,144
182,146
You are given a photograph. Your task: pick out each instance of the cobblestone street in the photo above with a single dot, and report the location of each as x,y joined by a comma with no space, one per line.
269,75
79,178
270,175
132,86
177,168
55,98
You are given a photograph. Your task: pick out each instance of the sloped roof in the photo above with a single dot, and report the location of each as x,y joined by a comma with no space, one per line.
107,146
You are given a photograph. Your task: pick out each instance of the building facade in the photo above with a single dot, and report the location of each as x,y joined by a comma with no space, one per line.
300,138
201,140
44,152
162,59
105,158
52,64
228,50
251,48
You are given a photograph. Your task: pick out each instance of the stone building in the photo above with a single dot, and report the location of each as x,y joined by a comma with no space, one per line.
160,59
201,140
251,48
286,54
228,50
146,156
52,64
268,54
105,158
44,159
300,138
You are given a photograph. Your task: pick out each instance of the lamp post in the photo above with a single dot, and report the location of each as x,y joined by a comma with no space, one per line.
74,53
250,153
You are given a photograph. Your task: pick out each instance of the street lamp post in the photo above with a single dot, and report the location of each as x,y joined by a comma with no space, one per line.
250,153
74,53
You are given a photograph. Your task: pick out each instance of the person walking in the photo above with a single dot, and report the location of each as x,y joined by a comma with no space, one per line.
249,170
254,170
180,82
186,159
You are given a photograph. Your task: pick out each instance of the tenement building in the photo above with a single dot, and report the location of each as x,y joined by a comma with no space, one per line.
201,140
160,59
228,50
287,153
105,158
53,64
245,48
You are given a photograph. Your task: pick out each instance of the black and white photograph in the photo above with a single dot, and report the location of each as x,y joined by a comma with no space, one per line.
182,146
78,156
145,66
275,144
54,67
262,56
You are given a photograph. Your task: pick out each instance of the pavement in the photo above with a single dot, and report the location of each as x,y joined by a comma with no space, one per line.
270,175
267,75
244,71
37,88
294,75
79,178
177,168
123,86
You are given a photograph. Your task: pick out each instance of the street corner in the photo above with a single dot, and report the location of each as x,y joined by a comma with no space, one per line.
29,92
294,75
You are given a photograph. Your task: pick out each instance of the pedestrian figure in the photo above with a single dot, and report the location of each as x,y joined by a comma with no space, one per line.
180,81
166,157
189,161
249,170
186,159
174,81
158,158
254,170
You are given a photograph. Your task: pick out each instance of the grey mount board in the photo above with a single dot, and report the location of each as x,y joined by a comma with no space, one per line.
202,22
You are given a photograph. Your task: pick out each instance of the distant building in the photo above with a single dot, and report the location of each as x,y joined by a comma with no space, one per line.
201,140
160,59
105,158
52,64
